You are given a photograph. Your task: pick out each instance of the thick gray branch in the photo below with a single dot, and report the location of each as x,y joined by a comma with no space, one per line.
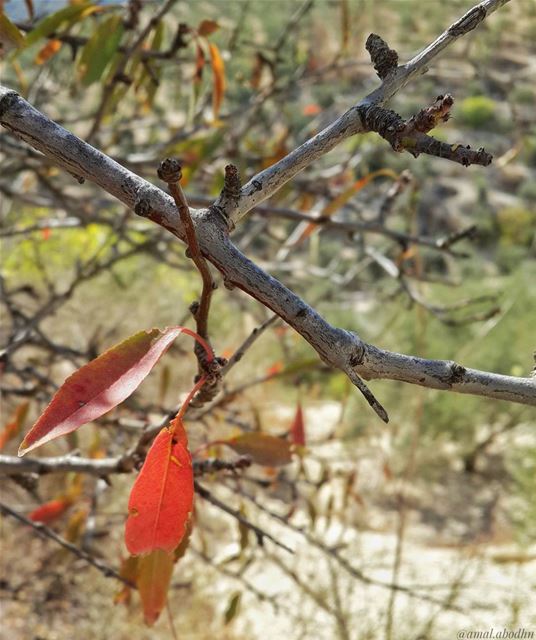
339,348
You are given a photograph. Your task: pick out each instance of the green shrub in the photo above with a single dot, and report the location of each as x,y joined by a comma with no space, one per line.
516,225
478,112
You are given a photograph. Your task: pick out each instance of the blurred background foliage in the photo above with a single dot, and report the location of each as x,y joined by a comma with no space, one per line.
246,82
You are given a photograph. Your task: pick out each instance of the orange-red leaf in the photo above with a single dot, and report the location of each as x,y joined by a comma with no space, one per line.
206,27
218,74
311,109
14,425
100,385
297,429
50,49
50,511
154,576
274,369
262,448
161,499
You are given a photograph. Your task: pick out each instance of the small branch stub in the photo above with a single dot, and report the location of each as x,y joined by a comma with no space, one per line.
170,170
384,59
411,135
433,115
230,194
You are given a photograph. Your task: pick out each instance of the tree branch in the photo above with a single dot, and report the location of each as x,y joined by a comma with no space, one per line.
338,348
102,467
270,180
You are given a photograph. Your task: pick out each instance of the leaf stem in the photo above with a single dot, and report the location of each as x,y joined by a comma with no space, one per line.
201,341
178,418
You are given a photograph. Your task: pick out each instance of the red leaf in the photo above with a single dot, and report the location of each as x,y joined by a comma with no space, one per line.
262,448
274,369
154,576
101,385
14,425
50,511
161,499
297,429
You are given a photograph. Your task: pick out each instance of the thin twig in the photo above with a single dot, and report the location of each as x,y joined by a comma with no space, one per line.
46,532
259,533
248,342
170,171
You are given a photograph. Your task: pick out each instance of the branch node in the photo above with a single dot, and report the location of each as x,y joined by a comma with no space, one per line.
457,373
231,183
410,135
468,22
384,59
170,170
194,308
142,207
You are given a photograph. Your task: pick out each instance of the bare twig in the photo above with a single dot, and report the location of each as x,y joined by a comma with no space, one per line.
259,533
335,554
46,532
248,342
170,171
102,467
410,135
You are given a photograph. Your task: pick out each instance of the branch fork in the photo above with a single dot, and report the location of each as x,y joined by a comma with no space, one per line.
412,135
337,347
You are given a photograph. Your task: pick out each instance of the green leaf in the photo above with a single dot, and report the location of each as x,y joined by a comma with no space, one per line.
10,36
154,576
232,607
100,49
50,23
